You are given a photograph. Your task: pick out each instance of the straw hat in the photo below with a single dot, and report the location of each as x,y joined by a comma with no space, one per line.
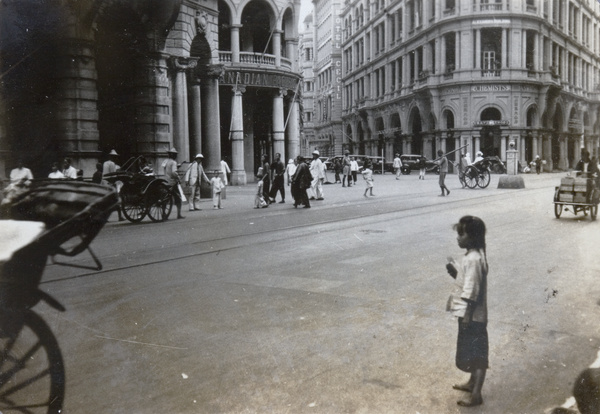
113,152
198,156
172,151
315,152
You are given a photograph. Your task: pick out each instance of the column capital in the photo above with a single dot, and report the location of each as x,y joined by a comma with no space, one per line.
236,26
182,64
215,71
238,90
281,93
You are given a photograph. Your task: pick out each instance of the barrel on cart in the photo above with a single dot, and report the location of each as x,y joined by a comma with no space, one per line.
577,194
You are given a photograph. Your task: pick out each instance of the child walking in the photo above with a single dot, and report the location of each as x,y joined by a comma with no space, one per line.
259,200
422,166
217,186
469,303
367,174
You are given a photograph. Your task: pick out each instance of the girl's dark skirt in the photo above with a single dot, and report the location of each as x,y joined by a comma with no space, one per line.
472,347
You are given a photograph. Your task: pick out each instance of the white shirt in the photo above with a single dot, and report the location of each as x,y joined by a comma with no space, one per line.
70,172
56,175
317,168
20,174
354,165
225,170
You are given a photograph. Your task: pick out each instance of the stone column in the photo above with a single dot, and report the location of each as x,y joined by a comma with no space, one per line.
238,173
478,49
195,116
181,138
477,146
293,129
563,162
211,125
291,46
153,112
503,147
546,151
504,48
235,43
76,106
442,61
277,47
278,123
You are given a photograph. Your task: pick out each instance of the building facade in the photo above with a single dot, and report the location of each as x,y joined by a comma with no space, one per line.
215,76
424,75
328,77
307,62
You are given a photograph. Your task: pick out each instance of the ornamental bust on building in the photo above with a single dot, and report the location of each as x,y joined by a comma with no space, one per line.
80,78
426,75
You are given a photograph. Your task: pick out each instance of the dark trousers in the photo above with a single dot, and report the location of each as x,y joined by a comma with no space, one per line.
266,188
278,185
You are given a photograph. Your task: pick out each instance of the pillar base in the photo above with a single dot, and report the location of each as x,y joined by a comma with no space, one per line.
511,181
238,178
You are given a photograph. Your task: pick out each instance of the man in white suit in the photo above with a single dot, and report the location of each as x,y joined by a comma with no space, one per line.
193,177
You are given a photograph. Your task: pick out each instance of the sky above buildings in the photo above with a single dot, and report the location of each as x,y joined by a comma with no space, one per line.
305,9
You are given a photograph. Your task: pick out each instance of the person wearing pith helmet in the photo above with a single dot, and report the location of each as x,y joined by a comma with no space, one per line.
173,178
193,177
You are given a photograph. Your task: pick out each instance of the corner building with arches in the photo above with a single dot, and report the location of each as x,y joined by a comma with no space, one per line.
424,75
80,78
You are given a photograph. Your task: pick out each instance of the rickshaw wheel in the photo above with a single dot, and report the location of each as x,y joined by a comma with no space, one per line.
159,203
132,208
483,180
32,373
470,177
558,208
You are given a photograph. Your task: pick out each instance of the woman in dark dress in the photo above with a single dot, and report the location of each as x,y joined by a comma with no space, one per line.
300,183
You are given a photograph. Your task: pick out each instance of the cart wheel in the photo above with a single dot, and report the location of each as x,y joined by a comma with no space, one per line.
594,212
558,210
159,204
483,179
133,208
471,177
32,373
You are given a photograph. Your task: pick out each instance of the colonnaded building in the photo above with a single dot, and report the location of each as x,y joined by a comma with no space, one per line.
79,78
423,75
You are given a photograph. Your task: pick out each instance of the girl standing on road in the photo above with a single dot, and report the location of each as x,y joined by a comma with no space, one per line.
422,166
469,303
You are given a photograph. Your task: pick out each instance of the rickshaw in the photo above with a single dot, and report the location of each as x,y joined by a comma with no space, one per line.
580,192
142,192
476,174
46,219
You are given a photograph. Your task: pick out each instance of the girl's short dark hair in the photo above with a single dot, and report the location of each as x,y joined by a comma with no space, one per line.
473,227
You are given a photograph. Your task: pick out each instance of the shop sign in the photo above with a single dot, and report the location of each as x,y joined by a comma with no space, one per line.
500,122
490,88
246,78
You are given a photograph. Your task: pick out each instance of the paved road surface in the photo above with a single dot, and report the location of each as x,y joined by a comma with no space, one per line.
336,309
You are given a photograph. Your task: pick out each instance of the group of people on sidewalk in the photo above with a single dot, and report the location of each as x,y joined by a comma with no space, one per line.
300,177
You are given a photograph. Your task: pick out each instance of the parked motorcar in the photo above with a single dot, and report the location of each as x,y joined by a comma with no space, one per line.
410,162
387,166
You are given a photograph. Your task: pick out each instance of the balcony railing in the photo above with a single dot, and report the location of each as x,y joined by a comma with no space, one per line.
490,73
255,59
488,7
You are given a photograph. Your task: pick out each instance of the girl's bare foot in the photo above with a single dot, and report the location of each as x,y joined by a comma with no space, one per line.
463,387
470,402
